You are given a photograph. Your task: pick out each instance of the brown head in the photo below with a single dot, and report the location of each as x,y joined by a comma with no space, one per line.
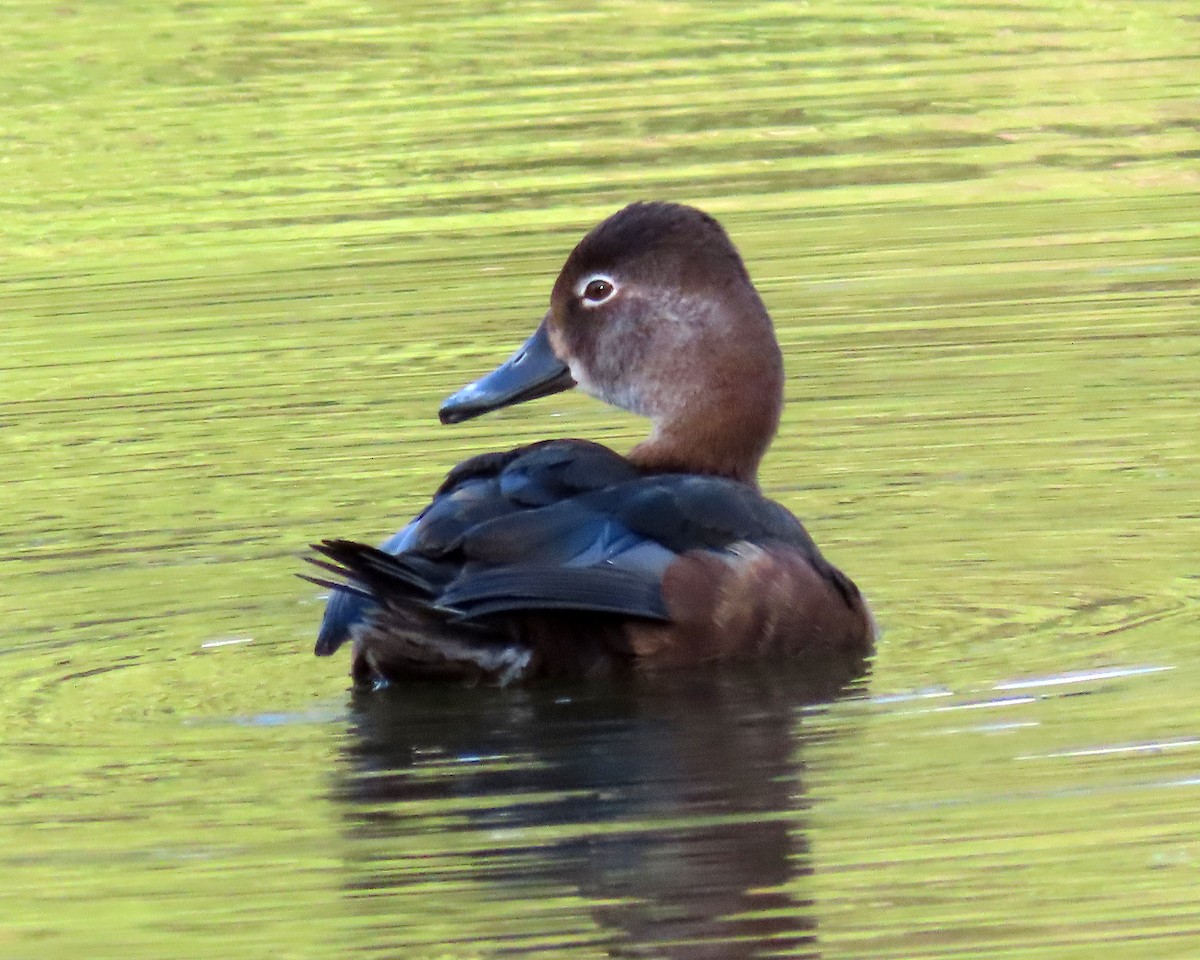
655,313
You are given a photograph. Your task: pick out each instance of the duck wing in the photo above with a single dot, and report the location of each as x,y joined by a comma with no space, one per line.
427,553
558,525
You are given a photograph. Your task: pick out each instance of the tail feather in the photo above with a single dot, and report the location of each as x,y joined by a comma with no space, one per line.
386,601
338,585
354,590
377,570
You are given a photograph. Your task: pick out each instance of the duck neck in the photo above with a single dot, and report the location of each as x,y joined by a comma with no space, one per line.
722,439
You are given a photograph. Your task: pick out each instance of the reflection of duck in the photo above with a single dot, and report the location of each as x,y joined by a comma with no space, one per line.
563,557
655,817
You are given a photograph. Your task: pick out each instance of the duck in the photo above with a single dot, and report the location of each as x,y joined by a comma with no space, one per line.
564,558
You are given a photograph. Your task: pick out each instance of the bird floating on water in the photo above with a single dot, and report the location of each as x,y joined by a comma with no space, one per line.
565,558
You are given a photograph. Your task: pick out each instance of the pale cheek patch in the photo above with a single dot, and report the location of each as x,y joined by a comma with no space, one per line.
583,381
578,373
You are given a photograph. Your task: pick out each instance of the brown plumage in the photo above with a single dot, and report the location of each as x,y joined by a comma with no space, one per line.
564,558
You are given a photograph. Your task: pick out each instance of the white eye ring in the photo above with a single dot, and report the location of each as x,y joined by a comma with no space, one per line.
595,289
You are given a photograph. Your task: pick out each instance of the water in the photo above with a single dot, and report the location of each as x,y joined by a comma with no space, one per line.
248,248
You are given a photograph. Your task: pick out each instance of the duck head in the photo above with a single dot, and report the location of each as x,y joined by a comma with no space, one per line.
655,313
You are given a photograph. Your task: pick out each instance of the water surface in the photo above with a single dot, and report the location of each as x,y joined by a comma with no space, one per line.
248,248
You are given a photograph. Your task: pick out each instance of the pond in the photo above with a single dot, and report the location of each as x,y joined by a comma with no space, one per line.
249,247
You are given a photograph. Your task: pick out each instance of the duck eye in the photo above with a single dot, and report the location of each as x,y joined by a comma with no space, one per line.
597,290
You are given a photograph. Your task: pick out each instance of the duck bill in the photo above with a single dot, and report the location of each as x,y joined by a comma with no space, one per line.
533,371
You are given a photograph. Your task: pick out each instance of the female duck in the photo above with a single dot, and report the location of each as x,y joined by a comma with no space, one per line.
563,557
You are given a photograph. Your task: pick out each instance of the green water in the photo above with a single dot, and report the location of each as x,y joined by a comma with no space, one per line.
248,247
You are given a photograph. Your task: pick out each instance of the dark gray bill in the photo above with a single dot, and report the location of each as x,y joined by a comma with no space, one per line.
533,371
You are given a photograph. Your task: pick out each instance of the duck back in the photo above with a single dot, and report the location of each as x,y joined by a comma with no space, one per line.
563,558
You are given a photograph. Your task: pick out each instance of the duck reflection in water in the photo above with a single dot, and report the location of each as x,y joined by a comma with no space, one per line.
563,558
647,817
